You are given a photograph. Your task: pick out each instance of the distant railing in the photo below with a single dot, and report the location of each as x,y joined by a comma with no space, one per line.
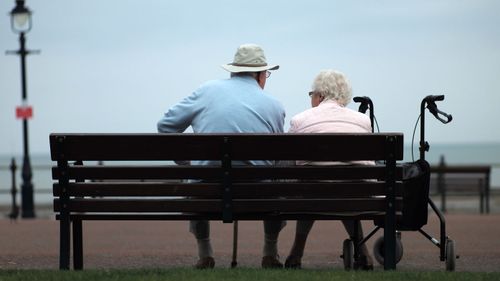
14,212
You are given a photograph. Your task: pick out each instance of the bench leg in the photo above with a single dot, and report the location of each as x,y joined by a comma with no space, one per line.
234,261
481,203
390,247
487,192
487,201
64,242
443,201
77,245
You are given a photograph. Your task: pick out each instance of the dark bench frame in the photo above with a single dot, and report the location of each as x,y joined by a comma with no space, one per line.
227,192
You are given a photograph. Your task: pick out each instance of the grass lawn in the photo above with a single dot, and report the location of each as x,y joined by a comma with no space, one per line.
240,274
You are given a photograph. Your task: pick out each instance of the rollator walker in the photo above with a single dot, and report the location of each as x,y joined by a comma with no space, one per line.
416,179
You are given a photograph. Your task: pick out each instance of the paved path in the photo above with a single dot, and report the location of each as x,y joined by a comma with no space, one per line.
29,244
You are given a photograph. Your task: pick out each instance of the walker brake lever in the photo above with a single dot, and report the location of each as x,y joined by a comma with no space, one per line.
431,105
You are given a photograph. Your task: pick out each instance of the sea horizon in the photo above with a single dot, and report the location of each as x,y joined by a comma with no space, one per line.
481,153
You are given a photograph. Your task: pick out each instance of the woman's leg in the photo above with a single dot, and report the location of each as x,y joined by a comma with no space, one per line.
301,232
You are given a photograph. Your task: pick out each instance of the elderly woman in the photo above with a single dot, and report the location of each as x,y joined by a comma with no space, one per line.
330,94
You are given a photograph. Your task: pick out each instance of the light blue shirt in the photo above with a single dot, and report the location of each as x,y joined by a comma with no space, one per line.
235,105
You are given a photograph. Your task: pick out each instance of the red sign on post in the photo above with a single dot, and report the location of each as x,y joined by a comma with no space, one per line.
24,112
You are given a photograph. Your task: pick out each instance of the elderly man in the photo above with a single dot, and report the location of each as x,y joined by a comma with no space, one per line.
235,105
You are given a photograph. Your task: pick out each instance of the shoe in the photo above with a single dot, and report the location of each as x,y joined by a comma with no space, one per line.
363,263
205,263
293,262
271,262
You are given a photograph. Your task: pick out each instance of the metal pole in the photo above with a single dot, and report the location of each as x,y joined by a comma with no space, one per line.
14,213
27,205
442,184
424,146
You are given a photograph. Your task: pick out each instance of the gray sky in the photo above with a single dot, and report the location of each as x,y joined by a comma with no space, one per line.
116,65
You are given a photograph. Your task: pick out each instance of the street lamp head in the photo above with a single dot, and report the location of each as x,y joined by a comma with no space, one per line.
20,18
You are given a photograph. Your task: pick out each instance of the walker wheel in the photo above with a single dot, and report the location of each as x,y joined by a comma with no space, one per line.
379,250
450,255
348,254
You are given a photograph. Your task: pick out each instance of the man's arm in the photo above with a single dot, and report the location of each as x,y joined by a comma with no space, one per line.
179,117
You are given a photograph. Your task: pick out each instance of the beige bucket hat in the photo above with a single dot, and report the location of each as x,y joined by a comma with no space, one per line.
249,58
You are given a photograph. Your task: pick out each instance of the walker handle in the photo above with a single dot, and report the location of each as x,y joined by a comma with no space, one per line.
363,107
431,105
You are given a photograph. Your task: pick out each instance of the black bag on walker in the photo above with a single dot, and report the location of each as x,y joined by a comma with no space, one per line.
416,181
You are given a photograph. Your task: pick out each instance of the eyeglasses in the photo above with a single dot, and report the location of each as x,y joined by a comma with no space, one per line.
268,73
312,93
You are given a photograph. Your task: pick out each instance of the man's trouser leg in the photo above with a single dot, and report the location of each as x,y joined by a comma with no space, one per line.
271,232
201,231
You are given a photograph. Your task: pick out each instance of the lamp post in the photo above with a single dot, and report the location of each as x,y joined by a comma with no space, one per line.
20,20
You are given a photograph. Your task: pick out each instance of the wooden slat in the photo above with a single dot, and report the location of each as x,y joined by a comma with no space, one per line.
465,169
238,173
239,190
100,189
129,147
474,186
239,206
309,205
141,172
218,216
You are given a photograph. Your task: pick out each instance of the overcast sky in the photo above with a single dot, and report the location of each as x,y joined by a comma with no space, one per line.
117,65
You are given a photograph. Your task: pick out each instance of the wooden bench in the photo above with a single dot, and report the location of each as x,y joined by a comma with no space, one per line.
141,182
456,180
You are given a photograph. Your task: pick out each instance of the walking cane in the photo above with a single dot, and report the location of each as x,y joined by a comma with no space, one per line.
234,262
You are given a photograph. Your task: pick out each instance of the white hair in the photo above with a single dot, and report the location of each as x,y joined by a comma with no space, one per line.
334,85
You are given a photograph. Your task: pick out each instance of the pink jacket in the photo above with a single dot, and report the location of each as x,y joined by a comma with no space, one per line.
330,117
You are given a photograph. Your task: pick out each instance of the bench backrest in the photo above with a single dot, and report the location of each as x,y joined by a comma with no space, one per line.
460,179
140,177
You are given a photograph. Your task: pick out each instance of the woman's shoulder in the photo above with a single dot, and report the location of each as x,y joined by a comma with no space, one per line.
310,112
358,115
